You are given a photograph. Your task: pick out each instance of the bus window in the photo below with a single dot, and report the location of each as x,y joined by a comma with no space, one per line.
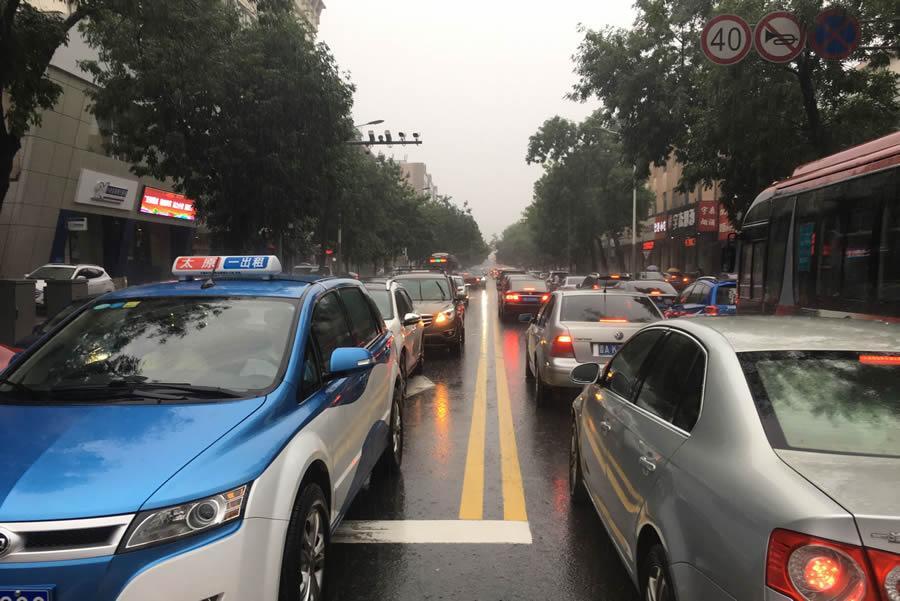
778,239
889,249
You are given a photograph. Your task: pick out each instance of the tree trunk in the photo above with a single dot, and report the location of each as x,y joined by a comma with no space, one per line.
815,131
9,146
604,264
620,256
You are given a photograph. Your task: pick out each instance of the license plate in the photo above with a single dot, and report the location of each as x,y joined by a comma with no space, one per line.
604,350
26,594
530,299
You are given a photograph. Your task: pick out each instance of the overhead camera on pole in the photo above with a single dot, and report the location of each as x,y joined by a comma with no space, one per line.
386,138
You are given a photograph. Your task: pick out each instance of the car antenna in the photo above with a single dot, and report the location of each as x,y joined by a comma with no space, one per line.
210,282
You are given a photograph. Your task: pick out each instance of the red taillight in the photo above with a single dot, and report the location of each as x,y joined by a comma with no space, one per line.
711,310
804,567
545,298
886,568
562,347
685,280
512,297
880,359
595,287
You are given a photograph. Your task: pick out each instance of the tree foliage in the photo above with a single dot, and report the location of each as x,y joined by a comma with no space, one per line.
517,246
249,119
747,124
584,194
28,39
450,228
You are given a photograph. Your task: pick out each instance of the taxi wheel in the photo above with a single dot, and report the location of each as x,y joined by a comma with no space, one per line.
303,566
577,492
656,584
392,458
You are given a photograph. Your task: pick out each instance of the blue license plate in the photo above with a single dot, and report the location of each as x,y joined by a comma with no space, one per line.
602,350
26,594
530,299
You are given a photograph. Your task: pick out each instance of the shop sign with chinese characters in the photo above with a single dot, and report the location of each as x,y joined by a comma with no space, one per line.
708,221
682,219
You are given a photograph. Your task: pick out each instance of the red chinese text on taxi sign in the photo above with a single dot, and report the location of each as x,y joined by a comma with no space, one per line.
196,263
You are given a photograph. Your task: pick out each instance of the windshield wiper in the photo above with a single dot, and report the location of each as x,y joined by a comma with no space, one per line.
20,387
105,391
205,391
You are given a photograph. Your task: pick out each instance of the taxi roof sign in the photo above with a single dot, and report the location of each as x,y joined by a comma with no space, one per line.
258,266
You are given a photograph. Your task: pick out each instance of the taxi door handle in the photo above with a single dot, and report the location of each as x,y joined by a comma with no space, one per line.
648,466
605,428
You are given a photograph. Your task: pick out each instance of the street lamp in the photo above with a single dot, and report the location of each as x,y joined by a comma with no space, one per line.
633,209
375,122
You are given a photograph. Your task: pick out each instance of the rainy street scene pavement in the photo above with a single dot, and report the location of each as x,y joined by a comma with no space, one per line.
481,508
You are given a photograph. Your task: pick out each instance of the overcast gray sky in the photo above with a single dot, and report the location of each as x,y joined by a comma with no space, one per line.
474,78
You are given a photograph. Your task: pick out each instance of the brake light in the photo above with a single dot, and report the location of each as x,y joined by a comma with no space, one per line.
595,287
685,280
512,297
545,298
562,347
528,289
711,310
804,568
655,293
880,359
886,568
614,320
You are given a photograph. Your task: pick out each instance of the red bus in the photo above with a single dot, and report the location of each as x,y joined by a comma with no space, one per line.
826,241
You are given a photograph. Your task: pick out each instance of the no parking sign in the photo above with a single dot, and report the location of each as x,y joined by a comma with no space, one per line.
836,34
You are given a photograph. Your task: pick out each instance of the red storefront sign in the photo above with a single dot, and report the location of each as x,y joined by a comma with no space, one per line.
725,227
167,204
708,220
648,245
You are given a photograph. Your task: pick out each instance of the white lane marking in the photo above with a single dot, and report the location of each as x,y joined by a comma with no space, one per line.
434,532
418,385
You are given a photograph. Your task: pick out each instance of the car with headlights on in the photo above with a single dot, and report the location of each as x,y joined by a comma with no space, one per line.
580,326
401,319
436,300
196,439
747,458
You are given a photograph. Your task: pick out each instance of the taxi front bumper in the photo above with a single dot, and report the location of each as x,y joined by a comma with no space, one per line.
240,561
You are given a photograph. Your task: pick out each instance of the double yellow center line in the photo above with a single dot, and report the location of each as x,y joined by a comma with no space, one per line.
472,502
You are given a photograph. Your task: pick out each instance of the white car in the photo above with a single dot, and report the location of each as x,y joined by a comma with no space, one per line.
98,281
396,308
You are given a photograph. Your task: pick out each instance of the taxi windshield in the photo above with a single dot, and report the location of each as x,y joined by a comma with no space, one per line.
236,344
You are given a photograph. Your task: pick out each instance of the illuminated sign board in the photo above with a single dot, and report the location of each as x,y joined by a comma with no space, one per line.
167,204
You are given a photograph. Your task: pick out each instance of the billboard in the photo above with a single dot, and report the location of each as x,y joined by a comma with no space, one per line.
167,204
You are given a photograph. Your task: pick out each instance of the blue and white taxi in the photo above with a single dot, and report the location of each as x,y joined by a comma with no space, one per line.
194,440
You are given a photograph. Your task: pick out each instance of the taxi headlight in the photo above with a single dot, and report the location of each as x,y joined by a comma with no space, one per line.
171,523
444,316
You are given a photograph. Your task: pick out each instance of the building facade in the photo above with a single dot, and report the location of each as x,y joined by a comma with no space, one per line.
69,201
417,176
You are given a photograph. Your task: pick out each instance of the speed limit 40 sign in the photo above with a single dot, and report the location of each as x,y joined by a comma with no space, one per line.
726,39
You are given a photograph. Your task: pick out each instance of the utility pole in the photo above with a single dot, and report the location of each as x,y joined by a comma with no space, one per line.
634,221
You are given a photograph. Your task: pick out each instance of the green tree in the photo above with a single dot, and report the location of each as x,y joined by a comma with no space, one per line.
450,228
585,192
517,246
249,119
747,124
28,39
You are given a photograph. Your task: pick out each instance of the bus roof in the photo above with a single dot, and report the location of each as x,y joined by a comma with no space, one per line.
875,155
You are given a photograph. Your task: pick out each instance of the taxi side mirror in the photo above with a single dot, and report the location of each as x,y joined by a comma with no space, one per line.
350,360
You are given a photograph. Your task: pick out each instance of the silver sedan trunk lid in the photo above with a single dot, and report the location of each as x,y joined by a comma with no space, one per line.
868,487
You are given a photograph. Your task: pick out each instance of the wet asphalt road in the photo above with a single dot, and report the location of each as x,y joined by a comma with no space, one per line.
448,475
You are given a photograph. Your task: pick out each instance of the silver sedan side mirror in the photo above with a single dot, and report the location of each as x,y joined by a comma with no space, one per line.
586,373
411,319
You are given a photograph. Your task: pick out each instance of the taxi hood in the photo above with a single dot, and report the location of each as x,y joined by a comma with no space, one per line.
77,461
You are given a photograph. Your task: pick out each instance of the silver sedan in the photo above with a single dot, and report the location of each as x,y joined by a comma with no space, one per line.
751,458
581,326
